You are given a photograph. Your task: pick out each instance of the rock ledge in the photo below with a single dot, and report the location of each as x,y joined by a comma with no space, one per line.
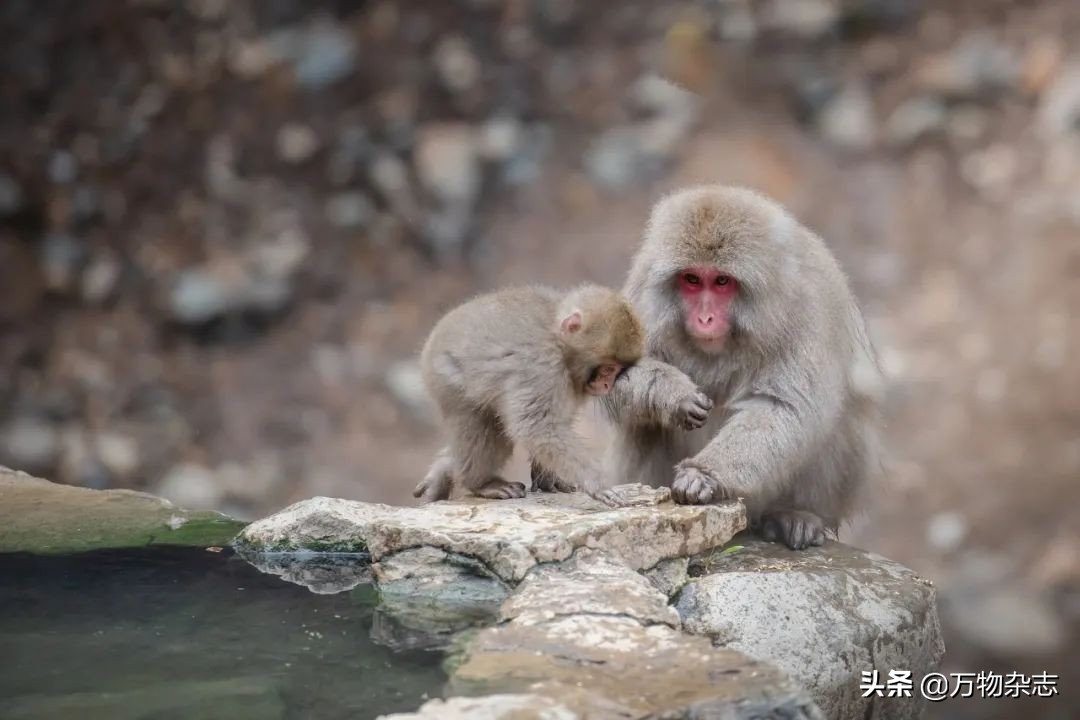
44,517
509,537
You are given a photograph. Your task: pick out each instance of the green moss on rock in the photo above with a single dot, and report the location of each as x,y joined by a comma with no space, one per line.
38,516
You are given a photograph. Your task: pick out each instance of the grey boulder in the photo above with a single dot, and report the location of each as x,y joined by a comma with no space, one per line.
823,616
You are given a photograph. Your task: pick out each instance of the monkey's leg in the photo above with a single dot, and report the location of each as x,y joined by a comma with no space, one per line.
566,458
544,480
543,424
480,449
655,393
554,447
798,529
439,480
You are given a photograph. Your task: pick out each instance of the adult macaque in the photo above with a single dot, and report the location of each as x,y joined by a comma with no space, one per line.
515,367
741,301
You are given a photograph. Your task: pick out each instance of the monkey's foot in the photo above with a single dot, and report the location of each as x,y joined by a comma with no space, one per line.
434,487
547,481
498,489
692,412
798,529
633,495
614,498
693,486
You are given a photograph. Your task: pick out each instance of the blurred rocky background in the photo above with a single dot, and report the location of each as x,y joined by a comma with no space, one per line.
226,225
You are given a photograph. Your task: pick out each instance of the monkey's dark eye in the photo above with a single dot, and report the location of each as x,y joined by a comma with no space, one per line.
691,279
722,280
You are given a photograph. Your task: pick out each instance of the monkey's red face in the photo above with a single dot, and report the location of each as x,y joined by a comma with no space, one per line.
707,294
603,379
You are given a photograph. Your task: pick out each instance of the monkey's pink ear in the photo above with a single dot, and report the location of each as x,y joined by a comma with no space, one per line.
571,323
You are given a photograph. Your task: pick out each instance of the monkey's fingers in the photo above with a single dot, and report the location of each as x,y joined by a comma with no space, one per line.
499,489
620,496
691,423
547,481
808,534
435,488
609,497
544,483
695,487
432,495
799,535
565,486
694,411
678,492
515,490
680,487
537,475
795,528
697,490
705,492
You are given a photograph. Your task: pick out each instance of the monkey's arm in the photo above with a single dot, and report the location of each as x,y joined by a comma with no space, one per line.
767,437
652,392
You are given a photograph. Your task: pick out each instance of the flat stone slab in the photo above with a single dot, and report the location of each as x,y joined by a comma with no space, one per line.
508,536
39,516
587,584
823,615
600,666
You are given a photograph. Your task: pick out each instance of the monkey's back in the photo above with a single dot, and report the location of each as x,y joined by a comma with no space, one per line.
478,347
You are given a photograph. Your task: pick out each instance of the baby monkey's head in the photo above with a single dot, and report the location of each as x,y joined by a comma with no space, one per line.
601,337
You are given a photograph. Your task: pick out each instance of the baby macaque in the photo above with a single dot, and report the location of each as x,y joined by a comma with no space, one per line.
515,366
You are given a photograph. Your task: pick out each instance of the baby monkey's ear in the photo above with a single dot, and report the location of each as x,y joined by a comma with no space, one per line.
571,323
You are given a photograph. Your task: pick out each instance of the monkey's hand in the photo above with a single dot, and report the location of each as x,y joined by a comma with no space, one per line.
544,480
633,495
696,486
692,411
678,399
798,529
